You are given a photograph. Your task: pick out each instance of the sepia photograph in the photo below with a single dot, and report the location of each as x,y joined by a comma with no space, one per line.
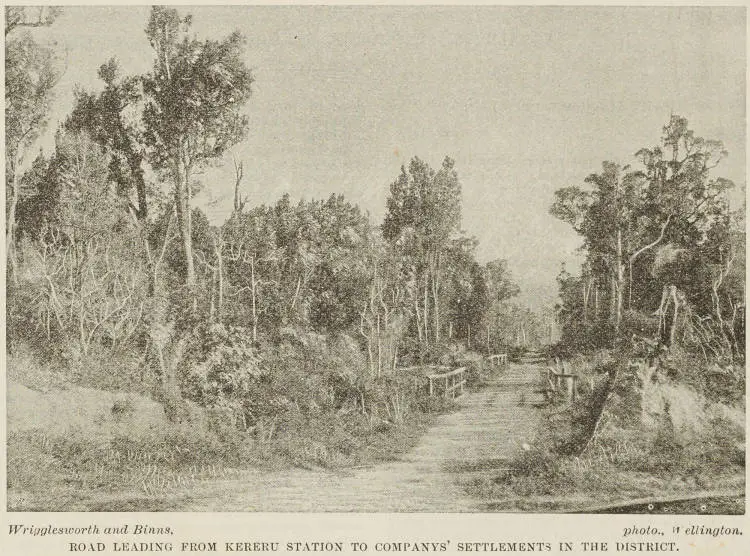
375,259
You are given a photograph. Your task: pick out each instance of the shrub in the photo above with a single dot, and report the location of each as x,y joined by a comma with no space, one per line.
515,353
222,369
476,374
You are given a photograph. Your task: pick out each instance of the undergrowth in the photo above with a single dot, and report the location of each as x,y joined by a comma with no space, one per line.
49,471
603,447
46,471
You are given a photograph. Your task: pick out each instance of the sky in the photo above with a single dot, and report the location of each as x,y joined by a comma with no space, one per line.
525,99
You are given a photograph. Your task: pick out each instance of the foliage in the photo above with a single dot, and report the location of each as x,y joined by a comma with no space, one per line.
192,110
423,216
81,280
111,119
31,72
221,369
649,230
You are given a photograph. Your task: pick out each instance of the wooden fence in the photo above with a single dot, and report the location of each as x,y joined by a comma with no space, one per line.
500,359
441,380
556,380
448,383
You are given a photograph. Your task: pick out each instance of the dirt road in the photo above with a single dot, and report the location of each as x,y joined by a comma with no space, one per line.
490,426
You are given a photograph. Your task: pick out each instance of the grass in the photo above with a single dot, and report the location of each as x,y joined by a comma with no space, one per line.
71,472
78,444
88,435
52,471
548,482
112,459
660,438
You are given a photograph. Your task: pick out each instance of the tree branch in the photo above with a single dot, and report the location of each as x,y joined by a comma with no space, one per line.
653,244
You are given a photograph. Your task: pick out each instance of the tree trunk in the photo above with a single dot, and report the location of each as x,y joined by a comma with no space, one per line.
417,316
596,303
296,293
162,341
212,304
585,299
668,323
158,337
620,284
436,308
426,320
637,254
367,337
380,346
10,234
673,328
436,297
715,285
238,173
630,285
10,237
220,299
134,163
254,295
182,205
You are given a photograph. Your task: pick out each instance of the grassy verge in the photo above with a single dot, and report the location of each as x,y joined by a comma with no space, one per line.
658,438
545,481
91,437
49,471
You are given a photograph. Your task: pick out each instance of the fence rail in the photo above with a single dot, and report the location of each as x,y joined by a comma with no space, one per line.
500,359
449,383
557,381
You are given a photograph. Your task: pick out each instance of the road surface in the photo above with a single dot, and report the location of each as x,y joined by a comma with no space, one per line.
489,427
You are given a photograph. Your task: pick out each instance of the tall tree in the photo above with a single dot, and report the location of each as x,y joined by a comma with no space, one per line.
112,118
31,72
500,288
500,283
194,95
628,217
106,117
424,213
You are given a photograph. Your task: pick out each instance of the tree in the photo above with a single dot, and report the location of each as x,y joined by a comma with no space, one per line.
31,72
251,262
423,214
605,217
500,283
193,99
111,119
629,218
28,17
87,277
343,269
384,312
500,288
